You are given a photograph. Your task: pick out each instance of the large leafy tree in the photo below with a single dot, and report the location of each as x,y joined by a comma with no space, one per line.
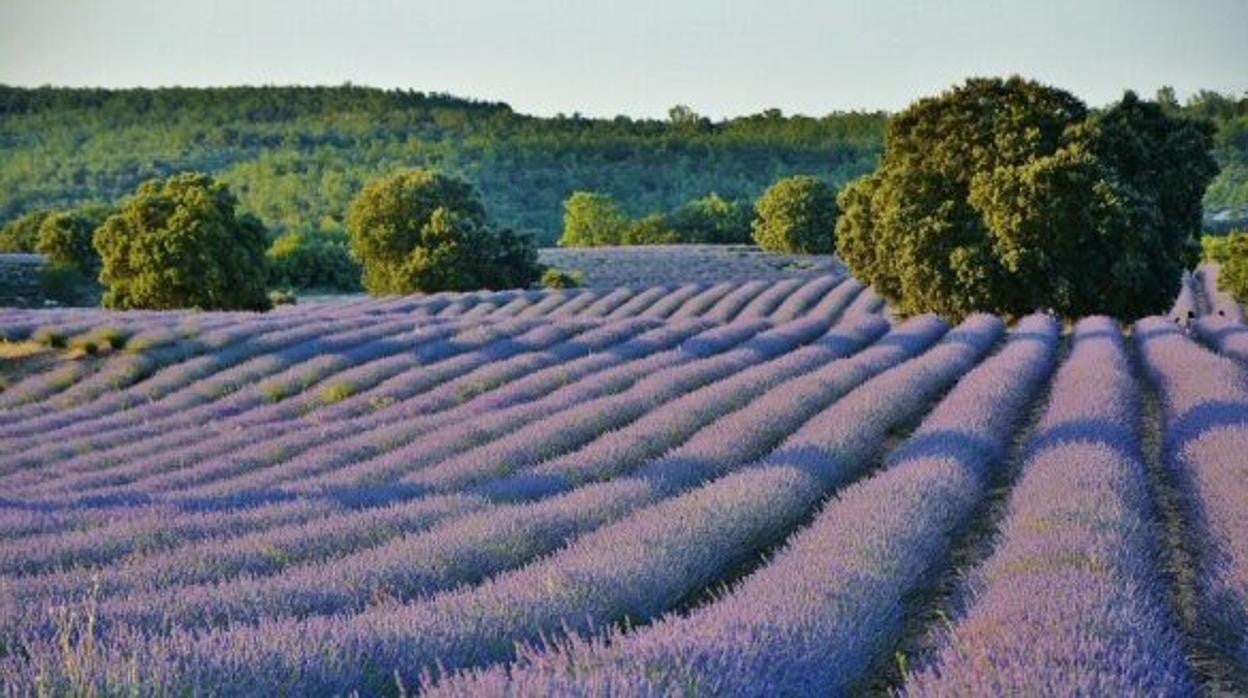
421,230
592,220
180,243
1007,196
797,215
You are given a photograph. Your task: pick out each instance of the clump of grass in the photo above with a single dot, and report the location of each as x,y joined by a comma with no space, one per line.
84,346
113,337
558,278
337,393
50,337
276,392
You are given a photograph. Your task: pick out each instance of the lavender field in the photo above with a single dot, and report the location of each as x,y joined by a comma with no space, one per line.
723,486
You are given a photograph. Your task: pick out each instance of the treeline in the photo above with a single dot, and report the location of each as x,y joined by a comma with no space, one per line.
295,156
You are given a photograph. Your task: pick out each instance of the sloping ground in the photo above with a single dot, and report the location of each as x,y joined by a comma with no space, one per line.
759,487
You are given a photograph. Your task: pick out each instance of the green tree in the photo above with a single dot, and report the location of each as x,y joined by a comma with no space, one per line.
420,230
714,220
592,220
22,234
180,243
797,215
1006,196
313,259
650,230
1233,277
65,238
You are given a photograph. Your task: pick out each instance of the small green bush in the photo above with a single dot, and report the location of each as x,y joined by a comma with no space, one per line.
797,215
1234,275
557,278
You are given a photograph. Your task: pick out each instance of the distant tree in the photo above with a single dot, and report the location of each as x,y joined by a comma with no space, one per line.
421,230
313,259
592,220
650,230
1233,277
22,234
180,243
713,219
65,238
797,215
1216,248
1005,196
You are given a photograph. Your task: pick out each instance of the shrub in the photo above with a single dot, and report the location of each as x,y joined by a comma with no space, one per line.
650,230
1234,275
713,220
797,215
592,220
1216,248
420,230
557,278
22,234
1006,196
179,243
317,259
65,239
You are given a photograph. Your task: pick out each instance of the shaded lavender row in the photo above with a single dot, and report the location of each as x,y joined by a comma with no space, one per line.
268,356
637,567
262,336
440,387
1072,601
1206,445
438,358
1225,336
1187,305
496,539
208,409
638,357
1218,302
832,602
146,351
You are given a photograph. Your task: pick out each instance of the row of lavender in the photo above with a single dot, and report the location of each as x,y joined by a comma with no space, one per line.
1200,296
493,481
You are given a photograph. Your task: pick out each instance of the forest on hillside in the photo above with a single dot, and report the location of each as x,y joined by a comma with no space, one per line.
295,156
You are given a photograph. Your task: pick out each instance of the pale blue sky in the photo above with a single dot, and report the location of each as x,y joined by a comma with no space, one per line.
635,57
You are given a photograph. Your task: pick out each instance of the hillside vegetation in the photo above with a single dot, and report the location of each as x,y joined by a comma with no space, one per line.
296,156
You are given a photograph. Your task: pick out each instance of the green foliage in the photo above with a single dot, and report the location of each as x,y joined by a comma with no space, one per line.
22,234
713,219
650,230
592,220
421,230
65,239
1005,196
180,243
315,259
557,278
297,155
282,297
797,215
1215,248
337,392
1234,275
